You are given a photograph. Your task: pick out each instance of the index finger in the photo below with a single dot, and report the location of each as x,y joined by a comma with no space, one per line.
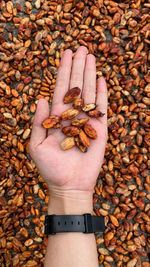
101,99
62,83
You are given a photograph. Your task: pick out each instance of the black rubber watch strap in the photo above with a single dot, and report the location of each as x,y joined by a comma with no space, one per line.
73,223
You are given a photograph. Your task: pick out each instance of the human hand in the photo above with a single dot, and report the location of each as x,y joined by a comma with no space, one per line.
71,172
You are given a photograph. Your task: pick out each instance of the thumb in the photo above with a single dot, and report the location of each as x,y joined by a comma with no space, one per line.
38,133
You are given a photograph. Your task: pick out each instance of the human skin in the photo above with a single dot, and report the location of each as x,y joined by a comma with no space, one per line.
71,174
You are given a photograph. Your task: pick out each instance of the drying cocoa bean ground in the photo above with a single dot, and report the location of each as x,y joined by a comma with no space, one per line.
33,37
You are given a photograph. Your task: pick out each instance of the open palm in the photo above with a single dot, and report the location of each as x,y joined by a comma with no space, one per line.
71,169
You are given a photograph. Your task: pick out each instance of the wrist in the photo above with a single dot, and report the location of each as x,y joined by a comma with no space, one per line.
70,202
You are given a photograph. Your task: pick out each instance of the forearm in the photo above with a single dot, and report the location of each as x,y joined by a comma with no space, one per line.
71,249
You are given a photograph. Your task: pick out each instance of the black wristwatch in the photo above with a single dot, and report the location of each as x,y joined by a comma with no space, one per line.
85,223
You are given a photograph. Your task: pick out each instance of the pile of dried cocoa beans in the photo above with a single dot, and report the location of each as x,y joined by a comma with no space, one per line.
33,37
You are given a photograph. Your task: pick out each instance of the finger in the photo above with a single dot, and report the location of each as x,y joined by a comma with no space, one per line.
89,87
38,134
78,67
62,83
101,99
